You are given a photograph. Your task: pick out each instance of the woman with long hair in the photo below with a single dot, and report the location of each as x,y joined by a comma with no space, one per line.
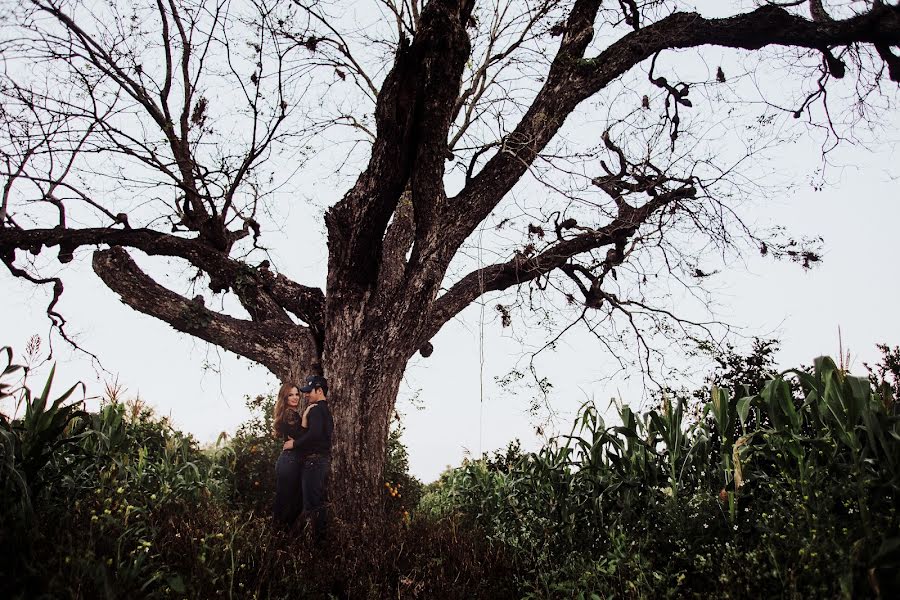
288,424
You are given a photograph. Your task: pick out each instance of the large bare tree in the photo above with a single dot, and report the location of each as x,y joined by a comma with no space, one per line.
152,127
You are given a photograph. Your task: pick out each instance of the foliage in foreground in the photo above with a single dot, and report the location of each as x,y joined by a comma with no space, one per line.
123,505
788,492
784,488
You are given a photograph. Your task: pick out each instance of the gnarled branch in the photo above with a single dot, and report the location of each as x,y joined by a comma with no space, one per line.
277,346
572,79
264,294
522,269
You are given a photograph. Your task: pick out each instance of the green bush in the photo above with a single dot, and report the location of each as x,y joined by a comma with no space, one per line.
790,492
120,504
402,491
255,451
785,488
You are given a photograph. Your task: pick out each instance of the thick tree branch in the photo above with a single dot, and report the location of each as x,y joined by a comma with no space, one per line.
890,59
397,241
451,43
522,269
817,11
263,293
276,345
412,119
572,79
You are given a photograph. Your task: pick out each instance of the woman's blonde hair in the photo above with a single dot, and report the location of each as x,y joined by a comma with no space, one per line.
280,406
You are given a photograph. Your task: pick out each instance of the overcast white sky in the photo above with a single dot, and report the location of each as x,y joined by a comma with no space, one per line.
461,407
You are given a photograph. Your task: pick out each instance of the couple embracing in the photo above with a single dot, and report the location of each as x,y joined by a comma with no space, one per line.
305,459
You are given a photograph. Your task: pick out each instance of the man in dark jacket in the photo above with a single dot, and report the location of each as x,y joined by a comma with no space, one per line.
314,448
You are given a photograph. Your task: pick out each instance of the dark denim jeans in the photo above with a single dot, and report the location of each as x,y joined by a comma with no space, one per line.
288,473
314,472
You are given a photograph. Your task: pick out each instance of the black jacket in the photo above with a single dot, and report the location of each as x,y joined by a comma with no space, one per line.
317,438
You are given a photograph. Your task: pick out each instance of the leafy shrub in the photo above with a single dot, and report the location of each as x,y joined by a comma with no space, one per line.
32,450
402,491
791,492
129,506
255,451
785,489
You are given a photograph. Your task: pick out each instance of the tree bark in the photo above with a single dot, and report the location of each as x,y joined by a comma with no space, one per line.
362,399
364,359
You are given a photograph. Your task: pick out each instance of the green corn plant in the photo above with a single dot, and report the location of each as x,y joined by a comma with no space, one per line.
594,463
729,414
108,430
882,429
666,426
634,463
723,413
858,420
779,403
48,427
15,507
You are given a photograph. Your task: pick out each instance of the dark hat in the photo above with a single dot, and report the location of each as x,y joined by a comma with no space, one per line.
313,382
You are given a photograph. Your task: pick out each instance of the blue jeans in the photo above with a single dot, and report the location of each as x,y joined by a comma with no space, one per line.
288,471
314,471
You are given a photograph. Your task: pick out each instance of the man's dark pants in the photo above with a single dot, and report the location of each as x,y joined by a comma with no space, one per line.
313,475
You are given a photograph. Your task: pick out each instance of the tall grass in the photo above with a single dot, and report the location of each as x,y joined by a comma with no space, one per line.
118,503
791,492
781,487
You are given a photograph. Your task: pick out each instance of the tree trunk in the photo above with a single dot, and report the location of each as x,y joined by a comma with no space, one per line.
364,374
364,358
362,402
